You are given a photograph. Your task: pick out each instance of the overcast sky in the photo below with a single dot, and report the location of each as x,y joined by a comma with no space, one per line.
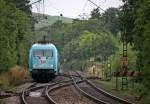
72,8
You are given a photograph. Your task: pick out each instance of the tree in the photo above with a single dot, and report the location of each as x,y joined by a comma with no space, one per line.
95,14
136,23
111,20
141,42
14,24
127,18
21,5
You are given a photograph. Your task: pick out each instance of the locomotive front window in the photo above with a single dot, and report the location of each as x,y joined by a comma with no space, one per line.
38,53
43,53
48,53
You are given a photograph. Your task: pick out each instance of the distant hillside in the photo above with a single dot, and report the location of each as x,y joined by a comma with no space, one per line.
47,20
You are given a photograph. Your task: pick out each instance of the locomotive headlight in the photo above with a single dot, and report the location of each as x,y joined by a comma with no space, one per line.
34,66
51,66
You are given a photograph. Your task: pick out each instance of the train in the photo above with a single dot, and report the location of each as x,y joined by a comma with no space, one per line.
44,62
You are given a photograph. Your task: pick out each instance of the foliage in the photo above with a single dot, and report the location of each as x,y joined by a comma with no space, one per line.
116,58
22,5
15,76
14,28
137,24
87,44
127,19
111,20
95,14
80,41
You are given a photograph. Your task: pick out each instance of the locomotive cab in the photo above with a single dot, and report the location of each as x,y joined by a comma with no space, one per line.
43,61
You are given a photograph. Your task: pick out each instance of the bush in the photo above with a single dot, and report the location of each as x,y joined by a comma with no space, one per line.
13,77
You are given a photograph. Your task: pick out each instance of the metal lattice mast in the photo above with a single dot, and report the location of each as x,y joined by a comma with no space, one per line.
125,61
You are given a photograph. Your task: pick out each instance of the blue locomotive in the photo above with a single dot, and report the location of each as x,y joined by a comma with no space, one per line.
43,61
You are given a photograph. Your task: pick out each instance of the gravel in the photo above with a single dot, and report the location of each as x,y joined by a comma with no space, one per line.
69,95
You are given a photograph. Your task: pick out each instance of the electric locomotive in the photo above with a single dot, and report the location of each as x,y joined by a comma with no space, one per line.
43,61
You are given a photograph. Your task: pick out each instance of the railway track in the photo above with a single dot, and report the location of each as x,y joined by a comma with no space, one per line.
96,94
75,89
58,87
41,91
87,89
26,96
7,94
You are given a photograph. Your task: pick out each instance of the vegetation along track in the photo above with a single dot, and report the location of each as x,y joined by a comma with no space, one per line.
96,94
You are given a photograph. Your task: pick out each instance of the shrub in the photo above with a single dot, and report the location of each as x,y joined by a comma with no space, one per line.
14,76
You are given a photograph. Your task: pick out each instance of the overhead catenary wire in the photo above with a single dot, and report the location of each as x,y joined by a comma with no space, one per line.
96,5
102,2
53,7
37,6
85,5
35,2
43,8
84,15
40,7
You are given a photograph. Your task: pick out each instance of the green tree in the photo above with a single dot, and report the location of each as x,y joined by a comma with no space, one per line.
136,23
141,42
111,20
95,14
14,24
21,5
127,18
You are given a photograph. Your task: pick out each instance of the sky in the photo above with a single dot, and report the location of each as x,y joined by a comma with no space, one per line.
72,8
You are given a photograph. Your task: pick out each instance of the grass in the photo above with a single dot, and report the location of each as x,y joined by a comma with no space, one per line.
132,93
13,77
